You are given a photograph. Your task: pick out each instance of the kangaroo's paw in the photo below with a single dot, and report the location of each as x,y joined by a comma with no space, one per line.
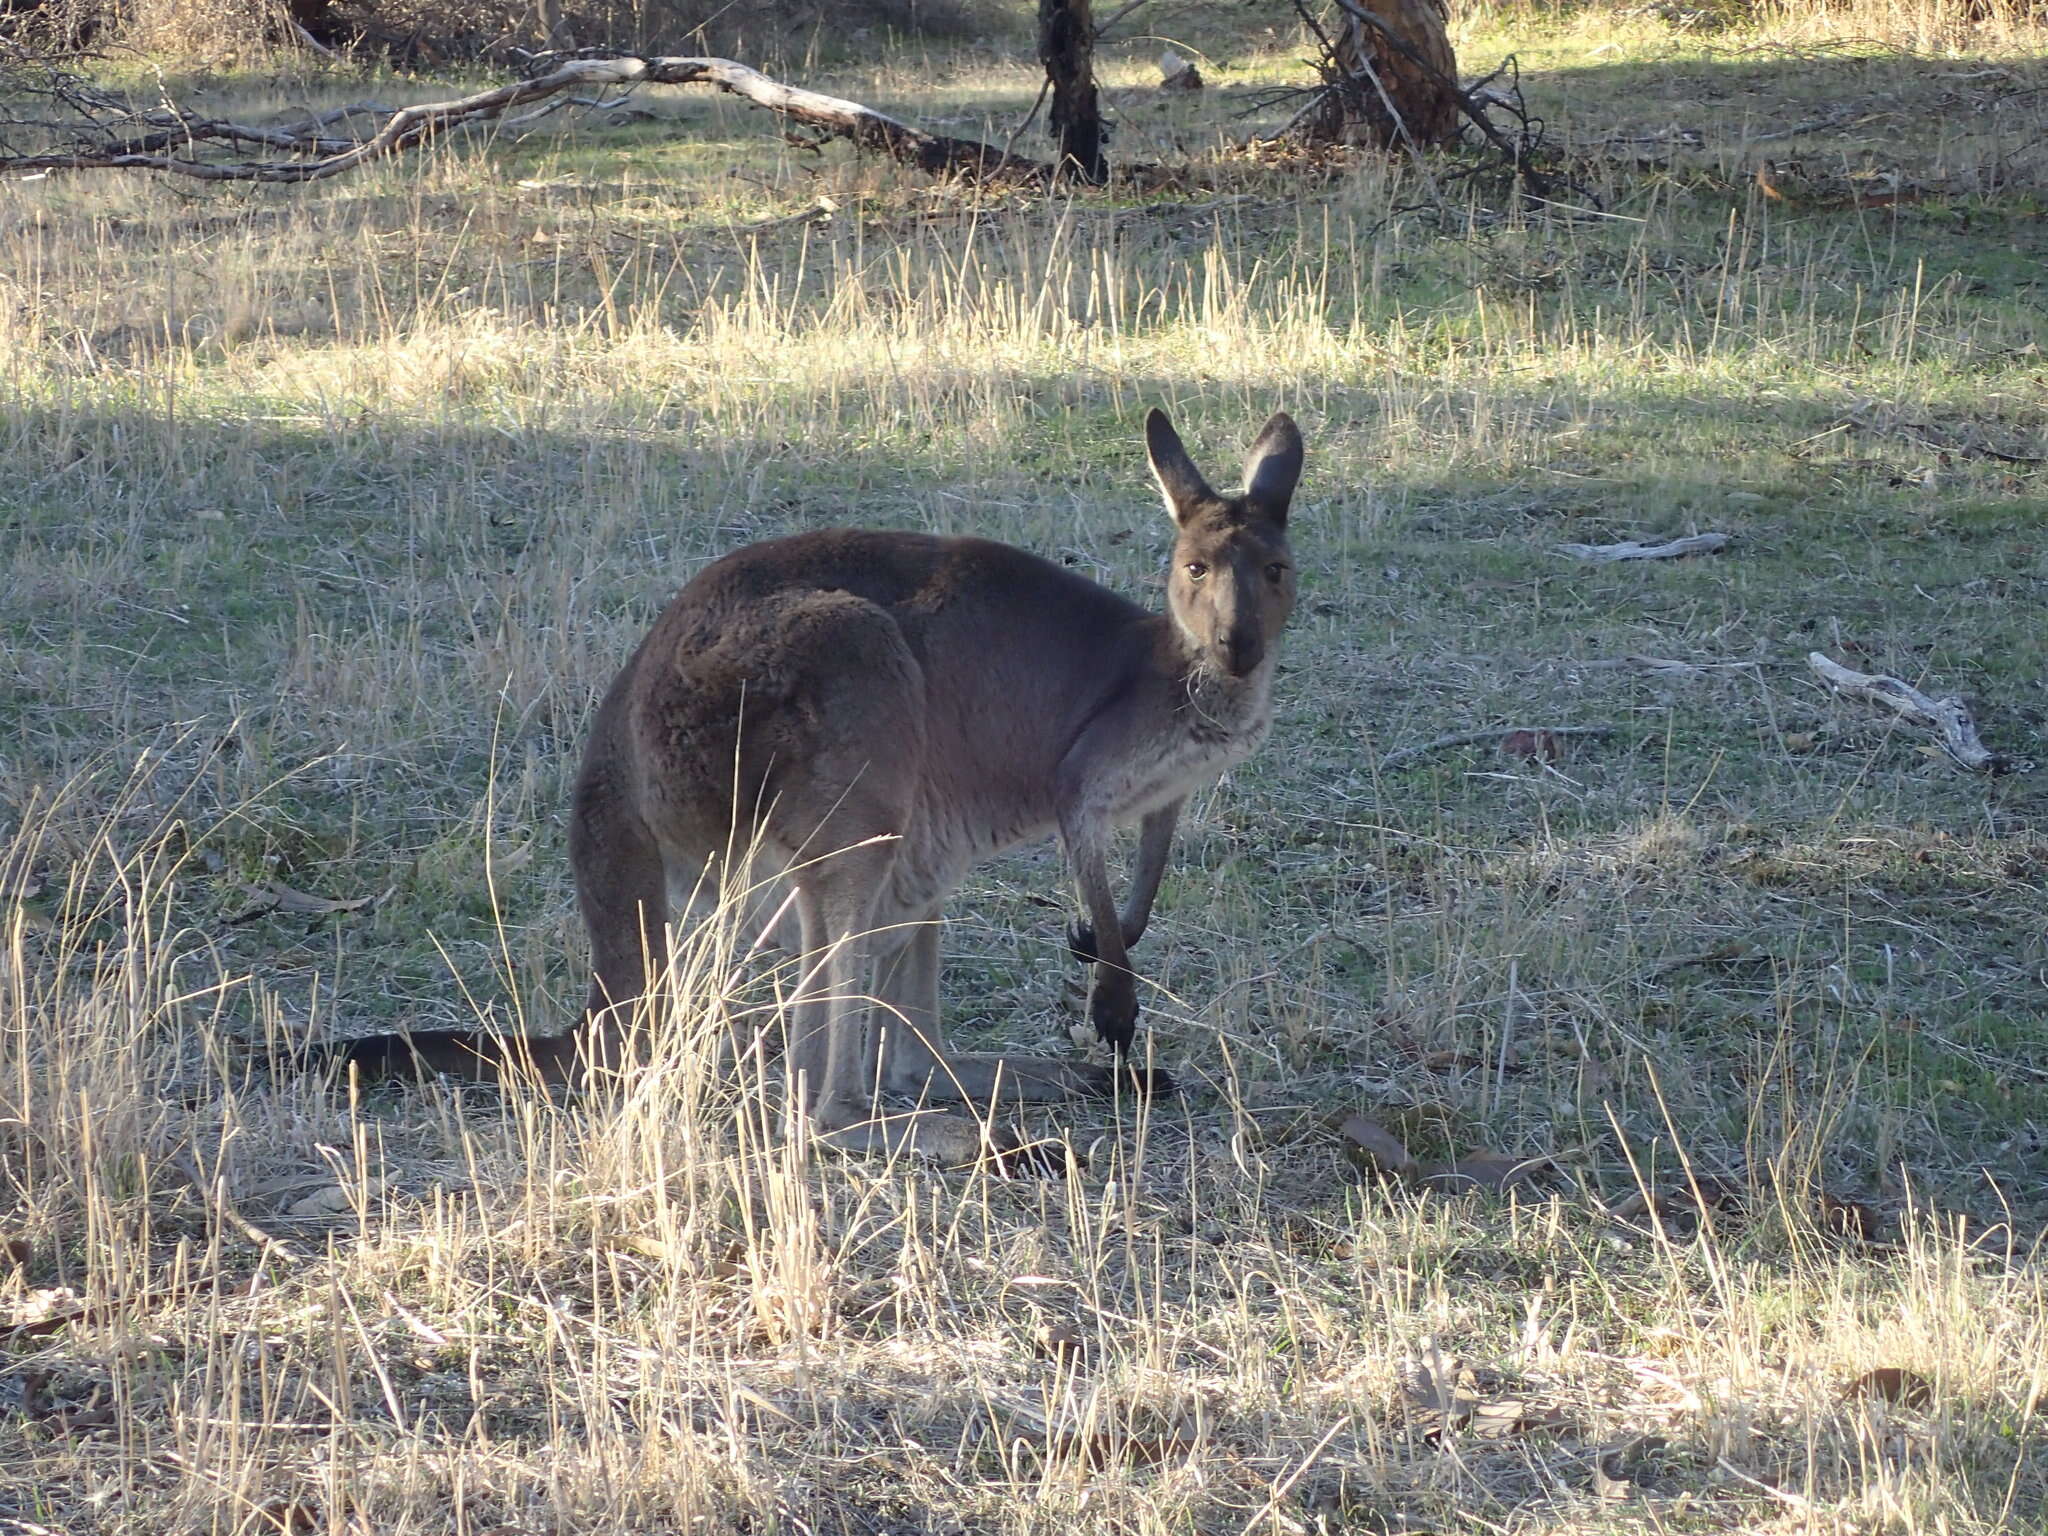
1145,1082
468,1055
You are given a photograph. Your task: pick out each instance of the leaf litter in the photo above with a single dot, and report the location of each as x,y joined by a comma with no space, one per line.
1377,1152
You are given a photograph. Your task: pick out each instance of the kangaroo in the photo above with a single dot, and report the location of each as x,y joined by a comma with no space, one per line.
868,715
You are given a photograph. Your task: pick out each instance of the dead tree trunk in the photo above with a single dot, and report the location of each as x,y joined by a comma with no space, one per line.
1390,78
1066,47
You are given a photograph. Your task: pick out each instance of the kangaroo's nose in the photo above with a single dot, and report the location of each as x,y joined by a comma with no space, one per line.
1242,651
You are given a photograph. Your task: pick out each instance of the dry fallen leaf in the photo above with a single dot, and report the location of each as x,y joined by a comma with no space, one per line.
1532,746
1906,1388
1105,1447
1682,1208
1062,1343
1849,1218
1491,1171
1373,1149
1618,1470
286,1517
330,1200
1446,1394
275,897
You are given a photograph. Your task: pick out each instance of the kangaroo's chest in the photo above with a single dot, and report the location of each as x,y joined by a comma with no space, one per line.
1212,735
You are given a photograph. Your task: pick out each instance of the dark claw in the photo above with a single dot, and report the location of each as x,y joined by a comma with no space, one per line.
1014,1158
1115,1017
1146,1082
1151,1082
460,1053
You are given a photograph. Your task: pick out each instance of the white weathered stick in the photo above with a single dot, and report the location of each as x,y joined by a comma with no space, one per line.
1630,549
1949,718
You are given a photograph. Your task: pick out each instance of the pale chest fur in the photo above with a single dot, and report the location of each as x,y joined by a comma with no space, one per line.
1217,724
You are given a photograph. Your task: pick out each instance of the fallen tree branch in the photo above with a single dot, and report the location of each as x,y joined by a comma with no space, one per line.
1949,718
935,154
1630,549
1407,755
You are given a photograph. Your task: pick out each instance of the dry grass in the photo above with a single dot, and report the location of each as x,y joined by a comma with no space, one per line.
326,514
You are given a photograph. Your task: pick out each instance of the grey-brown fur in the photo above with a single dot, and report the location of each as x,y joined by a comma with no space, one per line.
870,715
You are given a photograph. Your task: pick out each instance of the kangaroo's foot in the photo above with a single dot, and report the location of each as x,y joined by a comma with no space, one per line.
954,1141
1004,1079
472,1056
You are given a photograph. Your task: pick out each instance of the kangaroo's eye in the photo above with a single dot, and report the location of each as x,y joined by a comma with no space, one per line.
1196,570
1275,572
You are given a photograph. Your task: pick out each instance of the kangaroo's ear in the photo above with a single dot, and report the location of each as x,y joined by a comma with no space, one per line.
1179,481
1273,466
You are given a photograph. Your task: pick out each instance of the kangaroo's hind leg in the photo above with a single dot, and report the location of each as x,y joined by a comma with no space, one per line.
914,1060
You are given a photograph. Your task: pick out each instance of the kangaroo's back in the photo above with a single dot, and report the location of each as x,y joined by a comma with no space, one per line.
816,645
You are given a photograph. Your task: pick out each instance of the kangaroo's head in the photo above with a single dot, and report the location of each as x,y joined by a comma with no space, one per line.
1232,583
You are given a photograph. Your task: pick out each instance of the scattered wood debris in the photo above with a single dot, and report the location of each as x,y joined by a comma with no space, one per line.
1443,1394
1948,717
1535,734
1632,549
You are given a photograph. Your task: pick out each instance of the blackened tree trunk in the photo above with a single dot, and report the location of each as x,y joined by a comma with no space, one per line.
1367,73
1066,47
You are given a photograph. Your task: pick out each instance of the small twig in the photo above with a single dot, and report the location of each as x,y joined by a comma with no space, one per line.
1102,29
1949,718
1029,117
1401,124
1631,549
1784,1495
1661,666
1407,755
1816,125
308,40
